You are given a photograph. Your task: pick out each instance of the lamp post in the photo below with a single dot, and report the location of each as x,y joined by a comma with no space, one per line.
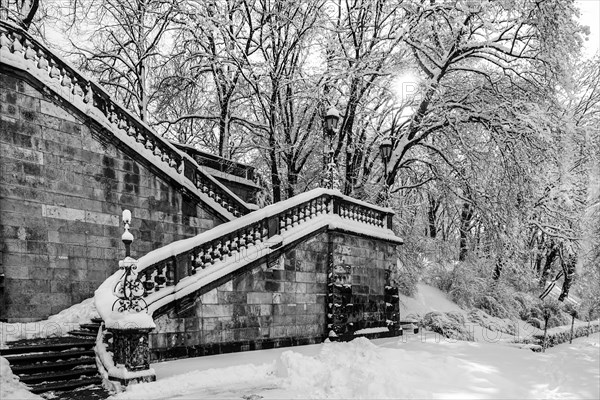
385,150
332,117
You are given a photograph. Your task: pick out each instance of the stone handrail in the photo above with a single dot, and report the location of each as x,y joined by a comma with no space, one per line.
22,50
255,236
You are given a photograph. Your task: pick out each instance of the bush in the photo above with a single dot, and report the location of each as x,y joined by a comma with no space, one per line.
537,311
523,303
492,323
562,334
492,306
450,325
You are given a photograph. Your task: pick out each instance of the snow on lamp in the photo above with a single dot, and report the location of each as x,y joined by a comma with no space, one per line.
332,117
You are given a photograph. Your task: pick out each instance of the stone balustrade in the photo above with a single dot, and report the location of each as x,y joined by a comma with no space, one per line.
260,234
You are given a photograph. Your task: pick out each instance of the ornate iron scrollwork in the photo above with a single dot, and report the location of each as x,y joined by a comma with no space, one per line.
130,289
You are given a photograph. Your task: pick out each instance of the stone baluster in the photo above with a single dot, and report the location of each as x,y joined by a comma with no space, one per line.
199,259
170,273
54,71
17,47
42,61
123,123
149,143
66,79
216,253
161,276
88,98
208,255
29,51
4,41
258,232
77,90
191,264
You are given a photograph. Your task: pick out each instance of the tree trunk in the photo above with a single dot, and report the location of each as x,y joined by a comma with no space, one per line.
431,216
497,269
546,319
224,131
275,179
569,269
292,181
548,265
572,326
465,221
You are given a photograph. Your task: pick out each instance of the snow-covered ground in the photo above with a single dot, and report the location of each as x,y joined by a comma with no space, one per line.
424,366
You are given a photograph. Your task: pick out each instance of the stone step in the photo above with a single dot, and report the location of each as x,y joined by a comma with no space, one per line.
48,347
71,374
90,327
65,385
52,366
83,334
49,356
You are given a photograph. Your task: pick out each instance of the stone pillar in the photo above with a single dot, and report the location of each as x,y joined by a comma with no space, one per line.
131,350
131,327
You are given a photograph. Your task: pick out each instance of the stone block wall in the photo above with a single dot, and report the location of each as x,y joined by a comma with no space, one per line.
358,284
274,304
63,186
284,301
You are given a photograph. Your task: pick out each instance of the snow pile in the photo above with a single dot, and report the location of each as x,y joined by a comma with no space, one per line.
352,370
10,387
56,325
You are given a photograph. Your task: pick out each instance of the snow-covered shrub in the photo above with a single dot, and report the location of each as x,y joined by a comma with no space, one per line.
562,334
492,323
449,324
550,309
492,306
498,300
535,322
524,302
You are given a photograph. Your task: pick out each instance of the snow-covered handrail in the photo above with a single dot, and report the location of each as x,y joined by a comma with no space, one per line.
21,50
183,267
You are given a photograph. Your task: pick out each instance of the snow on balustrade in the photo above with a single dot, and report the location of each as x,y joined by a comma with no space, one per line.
21,51
185,266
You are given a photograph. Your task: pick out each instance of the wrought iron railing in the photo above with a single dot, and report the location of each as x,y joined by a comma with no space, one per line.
21,50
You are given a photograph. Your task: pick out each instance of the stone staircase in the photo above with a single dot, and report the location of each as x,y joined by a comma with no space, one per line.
63,368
